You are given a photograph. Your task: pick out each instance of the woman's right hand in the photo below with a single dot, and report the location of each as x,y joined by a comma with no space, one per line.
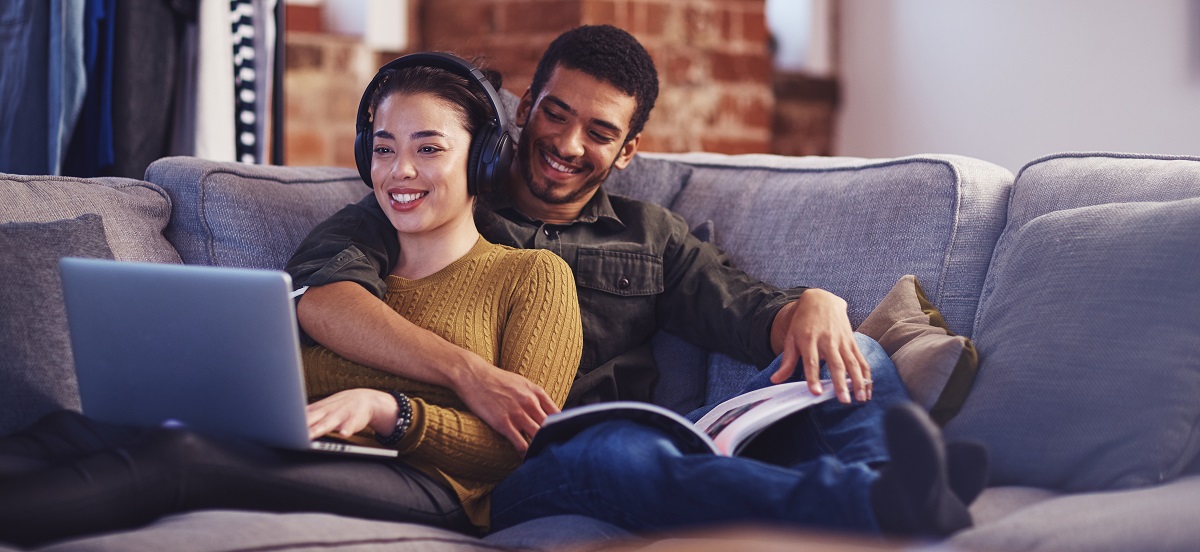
351,411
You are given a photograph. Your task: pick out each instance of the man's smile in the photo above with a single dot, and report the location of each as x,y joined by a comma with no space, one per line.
559,164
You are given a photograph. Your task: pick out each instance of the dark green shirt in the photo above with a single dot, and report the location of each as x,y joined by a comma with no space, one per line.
637,268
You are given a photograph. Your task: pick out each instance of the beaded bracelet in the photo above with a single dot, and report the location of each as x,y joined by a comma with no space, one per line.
403,420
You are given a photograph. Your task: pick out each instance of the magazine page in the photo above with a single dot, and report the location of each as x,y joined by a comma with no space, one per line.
733,422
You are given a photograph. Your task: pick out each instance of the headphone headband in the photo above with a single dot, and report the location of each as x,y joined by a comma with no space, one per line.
491,147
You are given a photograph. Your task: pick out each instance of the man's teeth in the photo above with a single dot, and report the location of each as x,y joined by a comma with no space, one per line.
408,198
558,166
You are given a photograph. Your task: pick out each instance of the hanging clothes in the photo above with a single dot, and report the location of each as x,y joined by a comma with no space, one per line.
147,56
245,87
90,152
42,82
212,112
264,67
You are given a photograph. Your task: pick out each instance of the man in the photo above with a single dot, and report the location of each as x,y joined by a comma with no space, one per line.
637,269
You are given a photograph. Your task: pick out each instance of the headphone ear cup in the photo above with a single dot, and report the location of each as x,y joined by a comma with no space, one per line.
476,171
362,157
491,154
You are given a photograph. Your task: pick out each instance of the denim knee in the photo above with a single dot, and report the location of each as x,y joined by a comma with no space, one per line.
618,448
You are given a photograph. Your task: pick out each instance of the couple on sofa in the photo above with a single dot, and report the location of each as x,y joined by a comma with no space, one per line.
455,305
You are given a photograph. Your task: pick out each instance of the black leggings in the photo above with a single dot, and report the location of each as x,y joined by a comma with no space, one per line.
68,475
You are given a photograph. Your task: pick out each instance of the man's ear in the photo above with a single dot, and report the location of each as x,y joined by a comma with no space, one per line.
523,108
625,157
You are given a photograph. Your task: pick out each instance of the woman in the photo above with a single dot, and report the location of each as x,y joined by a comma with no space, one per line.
67,475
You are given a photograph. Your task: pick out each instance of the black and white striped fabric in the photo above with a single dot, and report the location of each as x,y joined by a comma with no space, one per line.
241,13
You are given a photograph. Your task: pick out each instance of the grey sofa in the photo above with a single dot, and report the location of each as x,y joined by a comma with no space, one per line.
1078,280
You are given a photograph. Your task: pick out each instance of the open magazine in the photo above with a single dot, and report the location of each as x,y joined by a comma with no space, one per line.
725,430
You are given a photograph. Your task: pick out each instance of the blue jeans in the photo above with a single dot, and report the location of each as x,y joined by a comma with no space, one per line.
815,470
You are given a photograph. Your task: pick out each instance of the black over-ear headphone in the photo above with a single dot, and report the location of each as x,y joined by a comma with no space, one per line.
491,147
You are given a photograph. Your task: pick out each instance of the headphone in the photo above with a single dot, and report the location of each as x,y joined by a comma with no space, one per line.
491,147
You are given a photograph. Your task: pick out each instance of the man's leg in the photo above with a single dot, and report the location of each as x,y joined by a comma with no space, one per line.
853,432
633,476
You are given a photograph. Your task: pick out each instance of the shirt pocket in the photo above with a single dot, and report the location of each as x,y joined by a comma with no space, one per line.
622,273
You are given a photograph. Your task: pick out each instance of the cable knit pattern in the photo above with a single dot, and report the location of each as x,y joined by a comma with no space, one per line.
515,308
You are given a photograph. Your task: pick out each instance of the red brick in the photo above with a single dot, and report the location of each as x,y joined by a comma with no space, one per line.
757,113
540,16
754,27
729,67
600,12
676,69
656,18
343,148
304,147
304,19
445,21
652,143
730,24
734,146
702,26
303,56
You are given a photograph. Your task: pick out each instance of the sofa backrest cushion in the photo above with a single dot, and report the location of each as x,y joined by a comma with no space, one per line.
1079,179
134,213
233,214
46,218
851,226
1087,329
37,370
1088,334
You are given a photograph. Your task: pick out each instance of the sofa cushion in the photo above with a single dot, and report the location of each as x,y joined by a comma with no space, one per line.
851,226
1069,180
233,214
1156,518
649,178
228,530
936,366
37,371
1088,331
134,212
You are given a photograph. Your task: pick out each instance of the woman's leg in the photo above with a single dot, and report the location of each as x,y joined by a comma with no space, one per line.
56,438
168,470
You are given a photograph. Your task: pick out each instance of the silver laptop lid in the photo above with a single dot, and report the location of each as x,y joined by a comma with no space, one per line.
216,349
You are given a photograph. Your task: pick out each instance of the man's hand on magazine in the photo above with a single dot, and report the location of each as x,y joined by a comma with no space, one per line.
509,403
813,328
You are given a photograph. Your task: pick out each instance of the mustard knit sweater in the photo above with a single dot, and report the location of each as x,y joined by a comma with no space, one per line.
515,308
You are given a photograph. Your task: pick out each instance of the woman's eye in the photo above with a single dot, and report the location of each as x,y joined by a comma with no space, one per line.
380,150
427,149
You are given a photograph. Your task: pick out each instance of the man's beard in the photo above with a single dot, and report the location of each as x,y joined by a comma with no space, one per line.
544,189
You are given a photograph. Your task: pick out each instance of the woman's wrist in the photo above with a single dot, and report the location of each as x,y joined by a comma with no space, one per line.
404,414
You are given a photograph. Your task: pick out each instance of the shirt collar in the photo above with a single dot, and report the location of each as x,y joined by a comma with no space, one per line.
597,210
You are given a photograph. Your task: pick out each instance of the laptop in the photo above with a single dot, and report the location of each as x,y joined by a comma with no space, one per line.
213,349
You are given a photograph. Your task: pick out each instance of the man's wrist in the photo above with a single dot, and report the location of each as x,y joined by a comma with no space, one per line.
780,325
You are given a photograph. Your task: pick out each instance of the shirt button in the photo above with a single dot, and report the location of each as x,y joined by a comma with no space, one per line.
550,232
623,283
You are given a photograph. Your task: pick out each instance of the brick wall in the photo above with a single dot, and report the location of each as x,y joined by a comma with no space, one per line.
716,80
714,66
324,81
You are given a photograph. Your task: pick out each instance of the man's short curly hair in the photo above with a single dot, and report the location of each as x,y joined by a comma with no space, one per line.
608,54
